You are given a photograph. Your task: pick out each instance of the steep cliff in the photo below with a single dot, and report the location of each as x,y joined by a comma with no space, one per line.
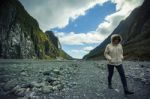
55,41
135,31
20,35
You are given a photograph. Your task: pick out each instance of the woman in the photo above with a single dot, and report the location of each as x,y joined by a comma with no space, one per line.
114,55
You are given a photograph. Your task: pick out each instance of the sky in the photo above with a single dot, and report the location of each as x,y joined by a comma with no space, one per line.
80,25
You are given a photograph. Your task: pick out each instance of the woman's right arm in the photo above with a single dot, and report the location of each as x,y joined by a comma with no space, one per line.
106,53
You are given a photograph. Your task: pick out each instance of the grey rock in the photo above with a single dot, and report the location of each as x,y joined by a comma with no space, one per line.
58,87
47,89
10,84
56,71
46,72
27,85
24,73
50,79
56,83
31,95
37,85
18,91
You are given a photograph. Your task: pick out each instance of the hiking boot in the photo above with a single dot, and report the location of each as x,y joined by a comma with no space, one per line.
127,92
110,87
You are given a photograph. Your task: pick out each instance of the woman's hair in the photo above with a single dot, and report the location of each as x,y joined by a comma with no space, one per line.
116,38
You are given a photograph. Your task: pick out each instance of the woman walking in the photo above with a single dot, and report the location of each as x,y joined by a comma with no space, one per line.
114,55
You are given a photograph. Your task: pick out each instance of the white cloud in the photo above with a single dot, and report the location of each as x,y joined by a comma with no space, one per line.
78,51
57,13
80,38
88,48
85,49
77,54
123,9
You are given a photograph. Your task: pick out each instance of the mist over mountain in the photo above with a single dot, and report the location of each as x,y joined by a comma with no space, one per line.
135,31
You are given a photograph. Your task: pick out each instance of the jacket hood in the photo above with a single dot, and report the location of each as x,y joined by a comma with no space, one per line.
116,35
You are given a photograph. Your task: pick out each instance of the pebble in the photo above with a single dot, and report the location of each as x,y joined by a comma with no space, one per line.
47,73
31,95
24,74
50,79
47,89
18,91
58,87
117,90
10,85
37,85
56,83
56,71
53,80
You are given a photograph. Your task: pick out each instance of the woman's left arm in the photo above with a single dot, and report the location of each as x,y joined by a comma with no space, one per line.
122,52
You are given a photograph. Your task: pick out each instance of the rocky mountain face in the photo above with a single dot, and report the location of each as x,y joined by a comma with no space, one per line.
135,31
21,37
53,39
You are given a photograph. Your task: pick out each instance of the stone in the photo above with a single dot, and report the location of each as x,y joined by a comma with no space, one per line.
56,83
2,91
24,74
18,91
31,95
50,79
4,79
60,86
47,89
35,89
37,85
10,85
47,73
55,88
142,66
56,71
117,90
27,85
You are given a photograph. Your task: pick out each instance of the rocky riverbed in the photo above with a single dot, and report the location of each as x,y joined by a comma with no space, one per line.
76,79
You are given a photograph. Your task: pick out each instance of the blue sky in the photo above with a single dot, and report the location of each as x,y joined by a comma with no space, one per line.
80,25
84,24
89,21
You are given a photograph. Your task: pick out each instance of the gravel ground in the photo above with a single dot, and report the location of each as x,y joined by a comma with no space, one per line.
43,79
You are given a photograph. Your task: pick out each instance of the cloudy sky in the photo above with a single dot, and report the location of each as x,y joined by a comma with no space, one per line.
81,25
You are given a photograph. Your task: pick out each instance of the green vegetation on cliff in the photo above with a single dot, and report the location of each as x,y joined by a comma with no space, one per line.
20,35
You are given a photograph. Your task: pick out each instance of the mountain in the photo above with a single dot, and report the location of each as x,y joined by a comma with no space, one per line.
55,41
135,30
21,37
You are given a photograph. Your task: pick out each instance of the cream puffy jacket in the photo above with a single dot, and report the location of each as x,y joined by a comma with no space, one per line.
114,54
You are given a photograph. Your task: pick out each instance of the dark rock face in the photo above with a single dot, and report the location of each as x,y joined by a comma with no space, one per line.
135,31
53,39
20,35
14,43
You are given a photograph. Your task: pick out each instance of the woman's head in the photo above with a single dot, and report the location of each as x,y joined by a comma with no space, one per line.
116,39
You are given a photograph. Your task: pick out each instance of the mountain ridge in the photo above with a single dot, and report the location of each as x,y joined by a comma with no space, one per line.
135,32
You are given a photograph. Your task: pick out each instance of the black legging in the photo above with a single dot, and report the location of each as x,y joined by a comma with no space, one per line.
121,73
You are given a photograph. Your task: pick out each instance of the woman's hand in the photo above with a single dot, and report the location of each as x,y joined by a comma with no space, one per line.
109,60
